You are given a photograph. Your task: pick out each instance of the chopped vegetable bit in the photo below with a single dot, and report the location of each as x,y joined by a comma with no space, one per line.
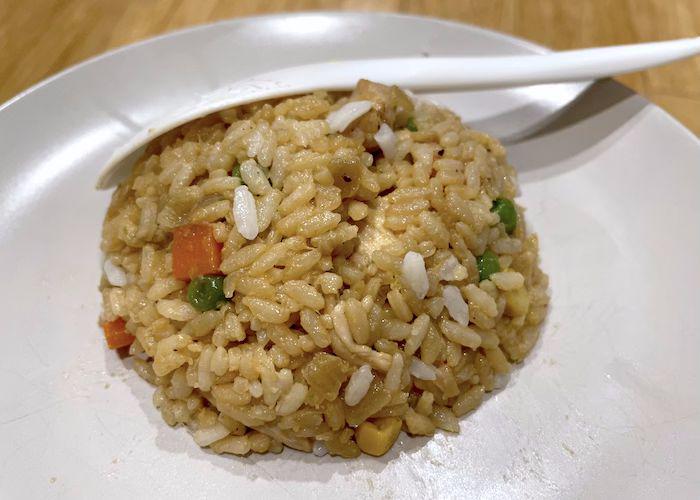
487,265
206,292
506,212
236,172
195,251
411,124
116,334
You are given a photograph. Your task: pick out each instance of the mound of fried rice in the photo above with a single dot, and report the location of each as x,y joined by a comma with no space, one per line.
348,231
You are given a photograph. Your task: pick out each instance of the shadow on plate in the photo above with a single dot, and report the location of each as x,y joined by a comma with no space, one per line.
574,135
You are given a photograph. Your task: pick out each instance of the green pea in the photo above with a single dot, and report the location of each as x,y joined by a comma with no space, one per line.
506,212
411,124
236,172
487,265
206,292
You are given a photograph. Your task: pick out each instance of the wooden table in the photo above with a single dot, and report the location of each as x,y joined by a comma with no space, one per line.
40,37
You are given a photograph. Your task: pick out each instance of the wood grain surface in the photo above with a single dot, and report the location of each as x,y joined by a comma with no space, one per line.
41,37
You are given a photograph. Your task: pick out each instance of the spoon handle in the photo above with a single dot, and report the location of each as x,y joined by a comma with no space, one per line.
452,73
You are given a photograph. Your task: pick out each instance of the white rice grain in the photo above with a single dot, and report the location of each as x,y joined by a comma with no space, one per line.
358,385
456,306
386,138
421,370
244,213
413,270
339,119
290,402
115,274
205,437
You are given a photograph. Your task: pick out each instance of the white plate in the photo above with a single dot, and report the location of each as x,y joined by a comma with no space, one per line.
608,404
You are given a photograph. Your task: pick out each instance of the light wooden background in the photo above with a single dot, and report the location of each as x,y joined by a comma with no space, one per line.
40,37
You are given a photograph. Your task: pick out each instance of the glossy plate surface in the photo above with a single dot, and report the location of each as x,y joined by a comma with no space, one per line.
608,403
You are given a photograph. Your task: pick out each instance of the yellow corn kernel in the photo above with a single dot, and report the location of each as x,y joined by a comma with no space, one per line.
517,302
375,438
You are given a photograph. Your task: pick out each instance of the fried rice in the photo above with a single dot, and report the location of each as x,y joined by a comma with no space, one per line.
321,272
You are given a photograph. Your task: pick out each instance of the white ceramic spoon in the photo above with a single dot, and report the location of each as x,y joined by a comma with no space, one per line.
416,74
